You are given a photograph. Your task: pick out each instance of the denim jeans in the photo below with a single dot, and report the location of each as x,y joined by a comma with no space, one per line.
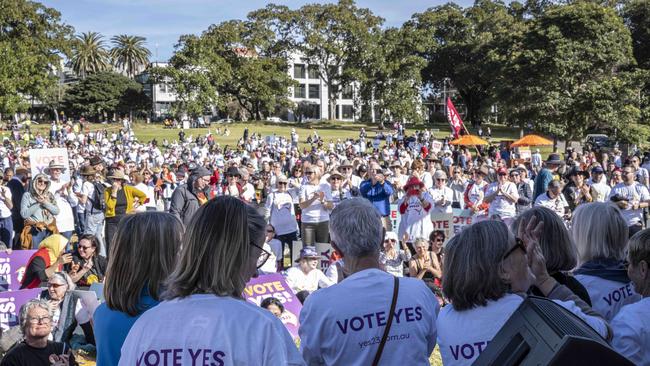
95,225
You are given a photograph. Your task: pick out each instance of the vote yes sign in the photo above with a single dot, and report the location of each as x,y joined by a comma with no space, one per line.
39,159
274,285
12,269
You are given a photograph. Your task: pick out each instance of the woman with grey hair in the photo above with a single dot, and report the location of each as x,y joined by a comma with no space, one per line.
601,234
488,272
203,310
36,349
68,309
557,247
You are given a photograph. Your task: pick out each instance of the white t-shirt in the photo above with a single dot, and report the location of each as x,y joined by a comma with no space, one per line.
475,194
635,192
557,204
631,327
316,212
500,205
299,281
415,221
343,324
463,335
608,297
603,191
65,218
5,212
208,329
282,213
437,194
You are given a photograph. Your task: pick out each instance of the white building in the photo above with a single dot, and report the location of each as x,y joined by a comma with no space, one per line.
310,96
162,94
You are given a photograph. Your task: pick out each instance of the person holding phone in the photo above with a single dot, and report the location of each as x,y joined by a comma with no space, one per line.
48,259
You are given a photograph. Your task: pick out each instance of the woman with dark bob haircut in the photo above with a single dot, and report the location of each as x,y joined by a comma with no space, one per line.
557,247
204,312
488,271
143,254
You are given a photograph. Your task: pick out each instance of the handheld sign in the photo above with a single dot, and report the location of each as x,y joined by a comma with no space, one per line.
274,285
39,159
12,269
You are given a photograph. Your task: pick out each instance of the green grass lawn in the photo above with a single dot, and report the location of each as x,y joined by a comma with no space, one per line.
332,130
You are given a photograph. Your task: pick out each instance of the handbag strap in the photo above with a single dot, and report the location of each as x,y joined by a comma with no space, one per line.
391,315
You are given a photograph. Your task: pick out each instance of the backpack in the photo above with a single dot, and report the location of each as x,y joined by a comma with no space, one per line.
98,202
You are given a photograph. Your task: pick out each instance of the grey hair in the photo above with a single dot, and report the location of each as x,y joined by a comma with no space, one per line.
355,228
640,247
65,278
599,231
472,263
33,303
216,247
556,242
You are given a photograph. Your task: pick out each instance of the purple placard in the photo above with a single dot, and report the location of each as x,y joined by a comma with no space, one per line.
10,303
12,268
258,289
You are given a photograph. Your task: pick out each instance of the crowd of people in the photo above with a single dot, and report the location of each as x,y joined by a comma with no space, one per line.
174,231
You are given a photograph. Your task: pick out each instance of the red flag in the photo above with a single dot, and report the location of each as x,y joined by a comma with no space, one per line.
454,118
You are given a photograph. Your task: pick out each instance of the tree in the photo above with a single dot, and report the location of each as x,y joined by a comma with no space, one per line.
569,75
234,60
390,80
335,37
468,46
89,54
32,42
102,94
129,53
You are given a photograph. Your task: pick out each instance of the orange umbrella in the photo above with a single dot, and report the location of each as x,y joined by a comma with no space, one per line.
469,140
532,140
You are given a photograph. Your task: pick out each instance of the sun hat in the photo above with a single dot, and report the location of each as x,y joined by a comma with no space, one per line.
88,170
54,165
308,252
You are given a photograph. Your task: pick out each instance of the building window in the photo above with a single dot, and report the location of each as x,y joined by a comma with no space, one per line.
348,92
347,112
313,71
299,71
300,91
314,91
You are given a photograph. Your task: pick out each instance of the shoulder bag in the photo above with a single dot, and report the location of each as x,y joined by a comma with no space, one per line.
391,315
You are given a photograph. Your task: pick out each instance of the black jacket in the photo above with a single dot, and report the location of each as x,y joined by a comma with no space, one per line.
17,190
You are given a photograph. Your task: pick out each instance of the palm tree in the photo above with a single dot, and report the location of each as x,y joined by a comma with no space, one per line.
129,53
89,54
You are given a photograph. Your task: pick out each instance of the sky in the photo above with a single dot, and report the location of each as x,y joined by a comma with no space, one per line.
161,22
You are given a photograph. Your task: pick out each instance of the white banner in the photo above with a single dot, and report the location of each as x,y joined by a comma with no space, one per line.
39,159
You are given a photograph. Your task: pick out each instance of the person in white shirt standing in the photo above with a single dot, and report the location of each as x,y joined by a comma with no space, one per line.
441,195
642,175
554,199
346,324
599,183
65,199
632,324
631,197
282,215
502,196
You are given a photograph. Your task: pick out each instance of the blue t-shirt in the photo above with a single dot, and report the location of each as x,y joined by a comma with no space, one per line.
542,180
111,328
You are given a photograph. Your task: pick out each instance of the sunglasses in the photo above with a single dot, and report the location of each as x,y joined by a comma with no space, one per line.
309,172
335,178
519,244
390,240
84,247
282,183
